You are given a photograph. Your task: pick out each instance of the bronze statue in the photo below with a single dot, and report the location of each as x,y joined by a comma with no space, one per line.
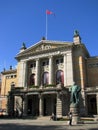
76,33
74,89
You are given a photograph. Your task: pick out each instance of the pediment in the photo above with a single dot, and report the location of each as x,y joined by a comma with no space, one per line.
42,46
47,46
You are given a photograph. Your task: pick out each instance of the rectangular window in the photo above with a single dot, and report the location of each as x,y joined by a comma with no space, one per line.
57,61
11,76
61,60
45,63
33,65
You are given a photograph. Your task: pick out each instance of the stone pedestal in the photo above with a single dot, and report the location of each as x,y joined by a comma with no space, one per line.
75,115
96,117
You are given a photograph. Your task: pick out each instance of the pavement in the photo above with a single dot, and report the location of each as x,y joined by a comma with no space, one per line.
30,124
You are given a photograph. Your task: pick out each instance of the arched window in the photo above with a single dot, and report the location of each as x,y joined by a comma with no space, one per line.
45,78
60,77
32,79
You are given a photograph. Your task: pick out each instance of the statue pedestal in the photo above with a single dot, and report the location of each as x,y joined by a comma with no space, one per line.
75,115
75,119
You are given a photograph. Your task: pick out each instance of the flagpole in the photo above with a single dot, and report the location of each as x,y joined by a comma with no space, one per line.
47,13
46,25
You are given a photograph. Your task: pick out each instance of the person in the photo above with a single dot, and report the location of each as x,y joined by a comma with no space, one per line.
70,118
52,117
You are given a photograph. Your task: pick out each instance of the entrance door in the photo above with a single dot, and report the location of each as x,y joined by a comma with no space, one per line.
35,104
29,106
44,107
49,105
92,107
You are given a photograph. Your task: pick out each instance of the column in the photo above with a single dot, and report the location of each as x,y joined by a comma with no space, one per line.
83,105
10,108
51,70
69,69
40,105
37,73
25,105
65,70
59,105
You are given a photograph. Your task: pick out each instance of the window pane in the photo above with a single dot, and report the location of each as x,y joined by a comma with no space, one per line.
32,79
60,77
45,78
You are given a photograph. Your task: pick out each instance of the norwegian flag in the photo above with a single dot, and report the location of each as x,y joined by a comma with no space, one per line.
49,12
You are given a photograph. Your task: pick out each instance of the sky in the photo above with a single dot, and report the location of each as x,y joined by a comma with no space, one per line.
25,21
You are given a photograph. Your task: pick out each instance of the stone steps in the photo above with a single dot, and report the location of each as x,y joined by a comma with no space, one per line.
44,118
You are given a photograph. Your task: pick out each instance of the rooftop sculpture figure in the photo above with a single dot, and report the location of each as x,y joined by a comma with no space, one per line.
76,33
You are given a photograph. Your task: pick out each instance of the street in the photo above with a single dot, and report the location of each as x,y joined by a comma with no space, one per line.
29,124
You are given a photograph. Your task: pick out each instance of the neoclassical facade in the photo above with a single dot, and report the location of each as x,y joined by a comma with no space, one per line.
46,70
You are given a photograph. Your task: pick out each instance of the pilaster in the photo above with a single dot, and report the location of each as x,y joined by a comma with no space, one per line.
83,105
22,67
25,74
65,70
59,106
69,68
50,69
40,105
37,73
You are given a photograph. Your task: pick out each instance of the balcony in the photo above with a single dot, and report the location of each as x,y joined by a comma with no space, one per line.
33,87
17,89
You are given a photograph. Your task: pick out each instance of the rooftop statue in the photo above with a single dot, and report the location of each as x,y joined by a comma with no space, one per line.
76,33
23,46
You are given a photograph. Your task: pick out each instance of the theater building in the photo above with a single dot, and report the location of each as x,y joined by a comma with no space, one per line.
46,70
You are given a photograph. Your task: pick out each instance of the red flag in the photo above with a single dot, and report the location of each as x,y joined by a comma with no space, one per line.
49,12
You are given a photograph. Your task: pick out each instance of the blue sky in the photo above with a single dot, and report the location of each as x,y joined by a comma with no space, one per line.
25,21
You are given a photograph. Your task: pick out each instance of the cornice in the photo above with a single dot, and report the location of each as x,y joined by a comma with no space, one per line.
43,52
9,71
91,89
94,57
45,42
83,47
